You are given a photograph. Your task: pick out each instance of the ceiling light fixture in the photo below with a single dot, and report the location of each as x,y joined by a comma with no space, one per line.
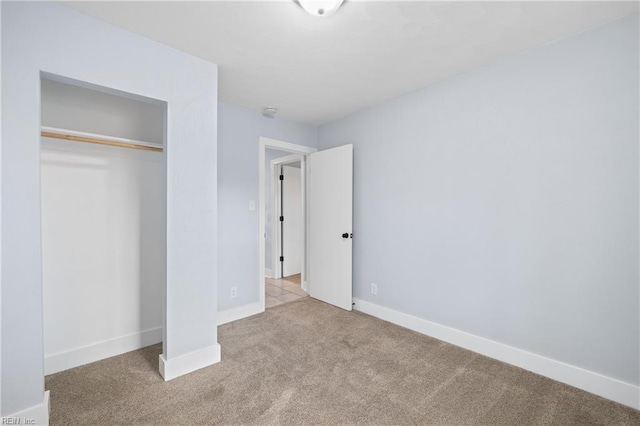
320,8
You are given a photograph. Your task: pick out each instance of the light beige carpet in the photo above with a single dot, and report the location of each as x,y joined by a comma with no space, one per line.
310,363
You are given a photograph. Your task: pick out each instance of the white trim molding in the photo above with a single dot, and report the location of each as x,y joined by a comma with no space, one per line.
598,384
268,272
188,363
36,415
240,312
101,350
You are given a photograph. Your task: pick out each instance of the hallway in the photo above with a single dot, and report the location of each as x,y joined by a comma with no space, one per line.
284,290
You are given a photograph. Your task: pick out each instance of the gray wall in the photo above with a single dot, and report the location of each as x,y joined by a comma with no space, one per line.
238,134
45,36
504,202
0,208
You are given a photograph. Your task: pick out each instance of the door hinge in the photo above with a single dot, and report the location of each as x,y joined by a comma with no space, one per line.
281,258
281,218
281,177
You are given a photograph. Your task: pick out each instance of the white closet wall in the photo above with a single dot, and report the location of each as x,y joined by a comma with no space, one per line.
76,108
103,228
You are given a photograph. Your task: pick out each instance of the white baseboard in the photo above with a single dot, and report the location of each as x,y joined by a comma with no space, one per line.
185,364
268,273
240,312
91,353
36,415
606,387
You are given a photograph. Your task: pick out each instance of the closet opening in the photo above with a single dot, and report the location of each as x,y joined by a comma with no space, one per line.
103,212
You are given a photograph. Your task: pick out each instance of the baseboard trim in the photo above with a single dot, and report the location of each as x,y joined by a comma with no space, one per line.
268,273
188,363
91,353
240,312
606,387
36,415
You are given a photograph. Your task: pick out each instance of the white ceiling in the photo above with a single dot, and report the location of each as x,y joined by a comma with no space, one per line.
315,70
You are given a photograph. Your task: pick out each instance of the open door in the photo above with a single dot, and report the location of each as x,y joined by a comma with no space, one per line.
330,225
291,246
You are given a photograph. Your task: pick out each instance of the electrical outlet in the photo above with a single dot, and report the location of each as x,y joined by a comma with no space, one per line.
374,289
234,292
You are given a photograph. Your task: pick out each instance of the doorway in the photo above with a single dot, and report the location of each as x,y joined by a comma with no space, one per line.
327,211
274,156
284,245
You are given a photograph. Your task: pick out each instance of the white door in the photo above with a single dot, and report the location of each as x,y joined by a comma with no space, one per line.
292,247
330,220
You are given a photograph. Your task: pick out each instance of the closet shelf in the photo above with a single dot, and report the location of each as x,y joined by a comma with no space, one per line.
72,135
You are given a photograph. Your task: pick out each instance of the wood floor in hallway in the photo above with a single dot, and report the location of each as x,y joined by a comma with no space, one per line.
283,290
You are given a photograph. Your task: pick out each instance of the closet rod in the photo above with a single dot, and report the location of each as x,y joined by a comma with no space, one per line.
75,138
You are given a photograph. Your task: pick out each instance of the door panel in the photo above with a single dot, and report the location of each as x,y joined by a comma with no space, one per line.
330,216
292,247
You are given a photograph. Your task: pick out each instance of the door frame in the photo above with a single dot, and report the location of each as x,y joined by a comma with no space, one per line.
275,202
263,144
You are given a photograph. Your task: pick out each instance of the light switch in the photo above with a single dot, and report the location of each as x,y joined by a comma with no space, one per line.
252,205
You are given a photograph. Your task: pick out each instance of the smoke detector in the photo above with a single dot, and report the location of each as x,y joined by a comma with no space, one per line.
269,111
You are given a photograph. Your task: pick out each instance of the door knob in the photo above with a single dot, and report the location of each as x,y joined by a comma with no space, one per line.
345,235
